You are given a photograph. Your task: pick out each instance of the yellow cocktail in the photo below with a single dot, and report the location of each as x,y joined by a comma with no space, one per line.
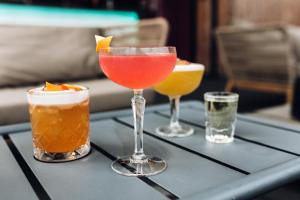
184,79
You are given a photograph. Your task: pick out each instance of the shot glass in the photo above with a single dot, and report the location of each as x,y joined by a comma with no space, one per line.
220,116
60,124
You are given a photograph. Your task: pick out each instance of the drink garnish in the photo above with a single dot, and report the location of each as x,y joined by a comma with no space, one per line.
182,62
49,87
72,87
102,42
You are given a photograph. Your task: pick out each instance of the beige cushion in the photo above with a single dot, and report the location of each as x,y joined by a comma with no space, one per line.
104,95
35,54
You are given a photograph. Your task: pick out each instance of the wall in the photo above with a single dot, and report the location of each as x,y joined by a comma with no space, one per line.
180,15
267,11
256,11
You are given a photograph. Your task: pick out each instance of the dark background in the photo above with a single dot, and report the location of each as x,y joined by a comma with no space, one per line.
179,13
188,20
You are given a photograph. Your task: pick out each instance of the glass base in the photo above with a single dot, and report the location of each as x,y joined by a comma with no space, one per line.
221,139
180,131
146,167
44,156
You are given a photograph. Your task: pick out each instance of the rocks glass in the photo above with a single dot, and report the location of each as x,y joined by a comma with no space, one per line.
60,124
220,115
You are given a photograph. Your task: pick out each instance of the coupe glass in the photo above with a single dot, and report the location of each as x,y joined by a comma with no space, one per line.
183,80
138,68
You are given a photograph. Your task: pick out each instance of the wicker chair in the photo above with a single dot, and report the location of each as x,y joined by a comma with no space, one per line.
258,58
146,33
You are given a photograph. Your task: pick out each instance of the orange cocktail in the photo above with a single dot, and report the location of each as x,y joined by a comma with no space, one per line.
60,123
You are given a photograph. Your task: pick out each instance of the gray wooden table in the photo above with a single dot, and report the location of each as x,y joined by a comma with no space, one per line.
264,156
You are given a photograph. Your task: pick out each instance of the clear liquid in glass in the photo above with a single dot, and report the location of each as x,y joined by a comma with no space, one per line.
220,120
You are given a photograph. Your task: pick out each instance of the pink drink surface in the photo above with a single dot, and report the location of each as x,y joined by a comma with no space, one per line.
137,71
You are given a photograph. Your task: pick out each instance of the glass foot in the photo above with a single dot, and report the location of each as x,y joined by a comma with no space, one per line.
44,156
180,131
146,167
221,139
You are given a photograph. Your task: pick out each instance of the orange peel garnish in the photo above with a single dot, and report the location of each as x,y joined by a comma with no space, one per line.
102,42
182,62
52,87
49,87
72,87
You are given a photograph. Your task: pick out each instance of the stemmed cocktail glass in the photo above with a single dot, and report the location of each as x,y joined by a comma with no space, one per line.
138,68
184,79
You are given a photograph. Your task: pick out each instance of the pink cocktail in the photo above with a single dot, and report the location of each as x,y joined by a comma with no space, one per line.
137,69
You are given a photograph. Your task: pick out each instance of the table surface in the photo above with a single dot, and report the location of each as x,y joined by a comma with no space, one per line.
263,156
12,14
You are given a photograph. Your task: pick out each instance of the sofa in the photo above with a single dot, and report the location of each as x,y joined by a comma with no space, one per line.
31,55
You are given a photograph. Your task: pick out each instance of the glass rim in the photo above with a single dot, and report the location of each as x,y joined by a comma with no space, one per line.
138,50
189,67
35,91
143,48
221,96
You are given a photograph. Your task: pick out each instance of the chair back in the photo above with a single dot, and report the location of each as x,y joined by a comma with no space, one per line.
257,54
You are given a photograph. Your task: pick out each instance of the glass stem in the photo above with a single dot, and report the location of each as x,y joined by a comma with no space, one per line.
138,107
174,102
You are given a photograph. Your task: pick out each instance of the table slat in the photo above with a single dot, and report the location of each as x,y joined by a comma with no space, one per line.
13,184
252,185
279,138
243,155
186,173
88,178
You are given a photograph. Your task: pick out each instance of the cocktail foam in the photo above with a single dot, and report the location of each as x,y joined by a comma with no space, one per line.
189,67
37,96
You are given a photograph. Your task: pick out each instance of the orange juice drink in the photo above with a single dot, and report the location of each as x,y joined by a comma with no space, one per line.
60,123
